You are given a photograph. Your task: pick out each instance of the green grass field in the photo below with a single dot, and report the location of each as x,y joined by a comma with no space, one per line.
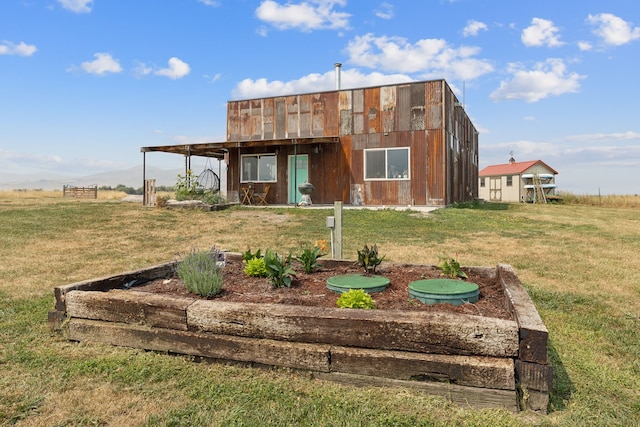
579,263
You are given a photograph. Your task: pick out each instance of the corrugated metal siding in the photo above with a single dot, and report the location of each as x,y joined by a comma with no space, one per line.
418,106
388,108
292,129
419,164
436,168
280,118
256,119
433,97
332,114
345,108
403,107
305,115
268,118
372,110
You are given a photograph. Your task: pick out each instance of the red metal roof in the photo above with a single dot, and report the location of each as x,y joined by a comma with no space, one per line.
515,168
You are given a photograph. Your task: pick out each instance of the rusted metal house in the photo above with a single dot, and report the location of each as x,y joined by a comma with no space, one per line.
401,144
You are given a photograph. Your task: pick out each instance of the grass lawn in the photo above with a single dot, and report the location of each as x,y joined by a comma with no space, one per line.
579,263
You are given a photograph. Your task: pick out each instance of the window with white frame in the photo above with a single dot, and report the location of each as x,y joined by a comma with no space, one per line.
258,168
386,163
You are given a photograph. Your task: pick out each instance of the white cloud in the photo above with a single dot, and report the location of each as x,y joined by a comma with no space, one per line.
549,78
541,32
177,69
473,27
384,11
430,58
77,6
613,30
20,49
584,46
141,69
617,136
103,64
212,3
305,16
350,78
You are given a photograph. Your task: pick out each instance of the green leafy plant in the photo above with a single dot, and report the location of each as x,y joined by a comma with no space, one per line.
201,272
451,267
356,298
188,188
368,258
309,256
279,269
255,267
248,255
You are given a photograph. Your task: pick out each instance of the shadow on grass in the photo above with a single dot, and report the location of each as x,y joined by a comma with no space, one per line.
482,205
563,388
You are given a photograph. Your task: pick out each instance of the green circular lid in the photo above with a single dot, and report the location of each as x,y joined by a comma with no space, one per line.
434,291
443,286
369,284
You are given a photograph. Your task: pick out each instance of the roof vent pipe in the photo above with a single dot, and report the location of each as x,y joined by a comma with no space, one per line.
338,67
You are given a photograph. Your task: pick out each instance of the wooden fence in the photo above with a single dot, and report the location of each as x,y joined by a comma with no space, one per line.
72,191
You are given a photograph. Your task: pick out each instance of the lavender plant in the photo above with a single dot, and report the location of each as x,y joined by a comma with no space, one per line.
201,272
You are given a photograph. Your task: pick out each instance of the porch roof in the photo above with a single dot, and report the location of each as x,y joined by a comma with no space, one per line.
218,149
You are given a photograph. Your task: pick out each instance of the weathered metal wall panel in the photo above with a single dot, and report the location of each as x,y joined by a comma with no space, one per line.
345,108
372,110
418,106
268,118
403,103
281,114
436,167
331,101
245,120
305,115
317,115
293,115
434,106
233,125
358,111
419,164
256,119
388,108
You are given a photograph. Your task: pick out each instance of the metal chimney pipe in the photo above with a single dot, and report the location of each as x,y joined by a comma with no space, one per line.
338,67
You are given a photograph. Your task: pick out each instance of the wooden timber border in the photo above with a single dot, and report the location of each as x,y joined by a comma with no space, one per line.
474,361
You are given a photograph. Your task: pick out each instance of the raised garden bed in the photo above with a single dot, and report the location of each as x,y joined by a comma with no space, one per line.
473,359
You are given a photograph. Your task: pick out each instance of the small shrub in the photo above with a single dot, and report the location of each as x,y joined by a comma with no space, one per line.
451,267
201,272
368,258
161,201
309,256
255,267
356,298
188,188
248,255
279,269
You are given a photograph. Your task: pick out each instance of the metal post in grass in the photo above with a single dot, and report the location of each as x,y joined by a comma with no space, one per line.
337,213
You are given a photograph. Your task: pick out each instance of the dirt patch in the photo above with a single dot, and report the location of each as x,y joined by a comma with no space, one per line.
311,289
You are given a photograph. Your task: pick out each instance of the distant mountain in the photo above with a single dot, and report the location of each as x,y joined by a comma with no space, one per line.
128,177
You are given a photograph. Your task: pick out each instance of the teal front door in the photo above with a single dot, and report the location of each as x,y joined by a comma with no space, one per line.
298,173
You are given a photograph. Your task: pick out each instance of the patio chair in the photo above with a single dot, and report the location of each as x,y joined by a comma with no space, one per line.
261,198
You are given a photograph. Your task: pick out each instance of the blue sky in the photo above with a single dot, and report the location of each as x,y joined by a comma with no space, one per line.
85,83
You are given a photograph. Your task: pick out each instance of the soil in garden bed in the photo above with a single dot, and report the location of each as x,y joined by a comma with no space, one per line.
311,289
